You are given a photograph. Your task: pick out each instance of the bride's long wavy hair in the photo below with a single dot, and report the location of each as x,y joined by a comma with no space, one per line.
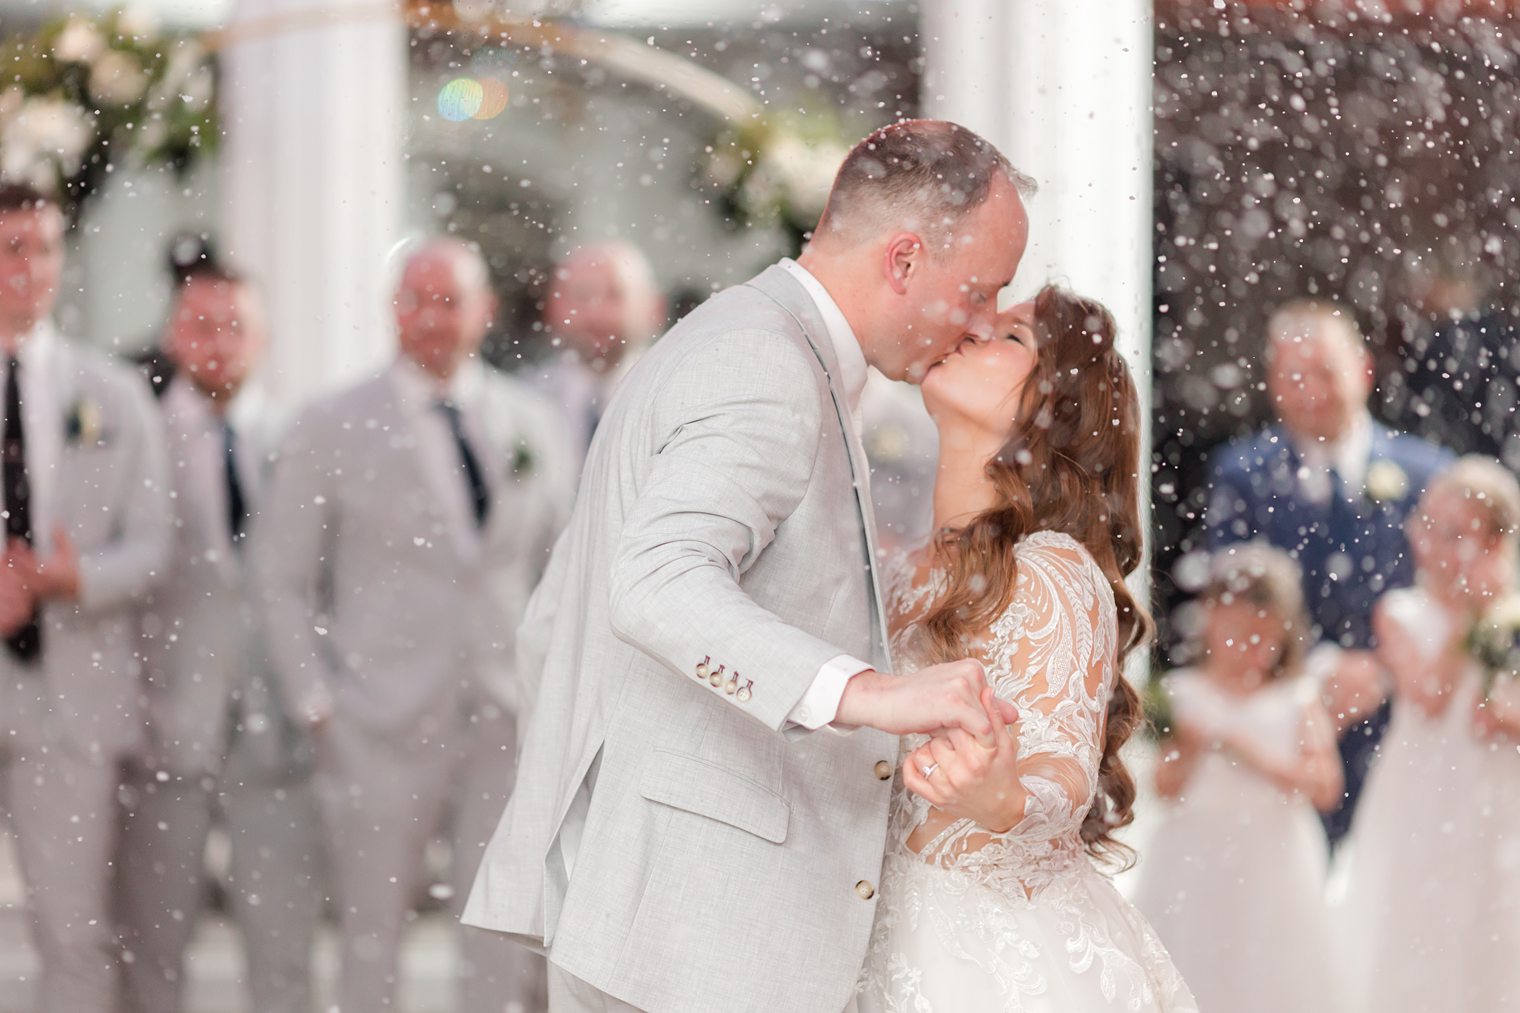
1071,465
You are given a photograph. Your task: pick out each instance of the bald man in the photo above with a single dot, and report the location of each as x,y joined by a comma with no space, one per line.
406,521
602,309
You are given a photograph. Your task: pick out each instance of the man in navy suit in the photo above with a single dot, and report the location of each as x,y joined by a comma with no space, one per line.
1333,489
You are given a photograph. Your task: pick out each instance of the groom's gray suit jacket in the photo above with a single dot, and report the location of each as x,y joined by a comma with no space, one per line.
675,843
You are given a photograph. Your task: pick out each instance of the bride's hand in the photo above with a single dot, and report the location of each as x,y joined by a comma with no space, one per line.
969,780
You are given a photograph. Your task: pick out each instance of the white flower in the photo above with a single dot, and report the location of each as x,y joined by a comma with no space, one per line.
79,42
136,22
52,127
10,101
805,171
117,79
1386,480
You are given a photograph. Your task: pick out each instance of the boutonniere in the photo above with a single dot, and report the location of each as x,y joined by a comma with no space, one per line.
522,461
1386,481
84,423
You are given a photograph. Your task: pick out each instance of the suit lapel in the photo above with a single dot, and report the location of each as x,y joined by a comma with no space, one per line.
786,292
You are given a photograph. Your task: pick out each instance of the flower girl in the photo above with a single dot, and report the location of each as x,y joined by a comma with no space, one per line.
1233,880
1430,920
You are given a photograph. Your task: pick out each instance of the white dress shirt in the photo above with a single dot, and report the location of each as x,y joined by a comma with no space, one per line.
1347,455
200,456
44,419
419,394
820,704
583,393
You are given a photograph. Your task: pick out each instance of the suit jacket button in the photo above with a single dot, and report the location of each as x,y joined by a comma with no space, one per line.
864,890
883,770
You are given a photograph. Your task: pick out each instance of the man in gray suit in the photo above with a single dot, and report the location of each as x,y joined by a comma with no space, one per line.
87,525
217,742
407,520
689,834
602,309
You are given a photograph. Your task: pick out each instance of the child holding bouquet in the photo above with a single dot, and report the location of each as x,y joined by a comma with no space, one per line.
1431,914
1233,879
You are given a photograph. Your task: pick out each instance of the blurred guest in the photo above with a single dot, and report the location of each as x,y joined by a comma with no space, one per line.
1233,880
1332,489
217,744
603,308
411,516
1432,891
87,526
1460,375
189,254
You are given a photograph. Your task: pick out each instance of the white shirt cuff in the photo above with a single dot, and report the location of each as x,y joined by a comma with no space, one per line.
820,704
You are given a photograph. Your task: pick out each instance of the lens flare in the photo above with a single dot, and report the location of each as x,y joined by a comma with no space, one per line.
460,99
494,97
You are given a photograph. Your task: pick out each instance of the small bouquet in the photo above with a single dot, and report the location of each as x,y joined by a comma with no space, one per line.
1494,641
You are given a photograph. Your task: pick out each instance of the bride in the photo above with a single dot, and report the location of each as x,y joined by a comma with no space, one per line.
1002,905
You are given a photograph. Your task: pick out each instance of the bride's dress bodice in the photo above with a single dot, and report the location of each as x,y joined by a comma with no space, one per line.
1051,653
1022,921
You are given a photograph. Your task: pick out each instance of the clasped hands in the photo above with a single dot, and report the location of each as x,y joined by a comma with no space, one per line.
27,579
972,755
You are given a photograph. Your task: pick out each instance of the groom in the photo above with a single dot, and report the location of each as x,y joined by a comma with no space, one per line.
693,829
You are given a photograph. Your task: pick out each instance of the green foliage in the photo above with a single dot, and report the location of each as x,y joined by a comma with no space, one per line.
90,95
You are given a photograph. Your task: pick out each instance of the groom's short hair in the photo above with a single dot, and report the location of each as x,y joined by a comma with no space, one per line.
920,174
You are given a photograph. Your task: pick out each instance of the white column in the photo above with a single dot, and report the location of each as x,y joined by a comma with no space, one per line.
1063,87
311,198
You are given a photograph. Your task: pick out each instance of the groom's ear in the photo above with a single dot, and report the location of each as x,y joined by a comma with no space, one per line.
901,259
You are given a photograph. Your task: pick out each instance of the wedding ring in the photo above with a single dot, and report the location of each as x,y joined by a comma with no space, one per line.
929,770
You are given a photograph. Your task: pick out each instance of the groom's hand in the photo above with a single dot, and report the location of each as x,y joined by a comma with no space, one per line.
934,699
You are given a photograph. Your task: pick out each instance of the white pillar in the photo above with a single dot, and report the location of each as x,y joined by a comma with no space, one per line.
311,197
1063,87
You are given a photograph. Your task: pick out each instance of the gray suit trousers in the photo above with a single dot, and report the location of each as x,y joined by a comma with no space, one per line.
275,887
63,814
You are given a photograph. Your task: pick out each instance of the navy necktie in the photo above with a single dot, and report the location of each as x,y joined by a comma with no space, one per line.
237,506
480,496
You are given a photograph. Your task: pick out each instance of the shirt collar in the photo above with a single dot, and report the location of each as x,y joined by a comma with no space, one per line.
852,361
1347,455
191,403
37,350
421,390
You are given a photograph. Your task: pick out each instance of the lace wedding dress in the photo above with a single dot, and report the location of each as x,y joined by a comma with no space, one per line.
1021,921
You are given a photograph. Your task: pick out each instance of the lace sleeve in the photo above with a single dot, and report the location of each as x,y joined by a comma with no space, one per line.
1053,656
